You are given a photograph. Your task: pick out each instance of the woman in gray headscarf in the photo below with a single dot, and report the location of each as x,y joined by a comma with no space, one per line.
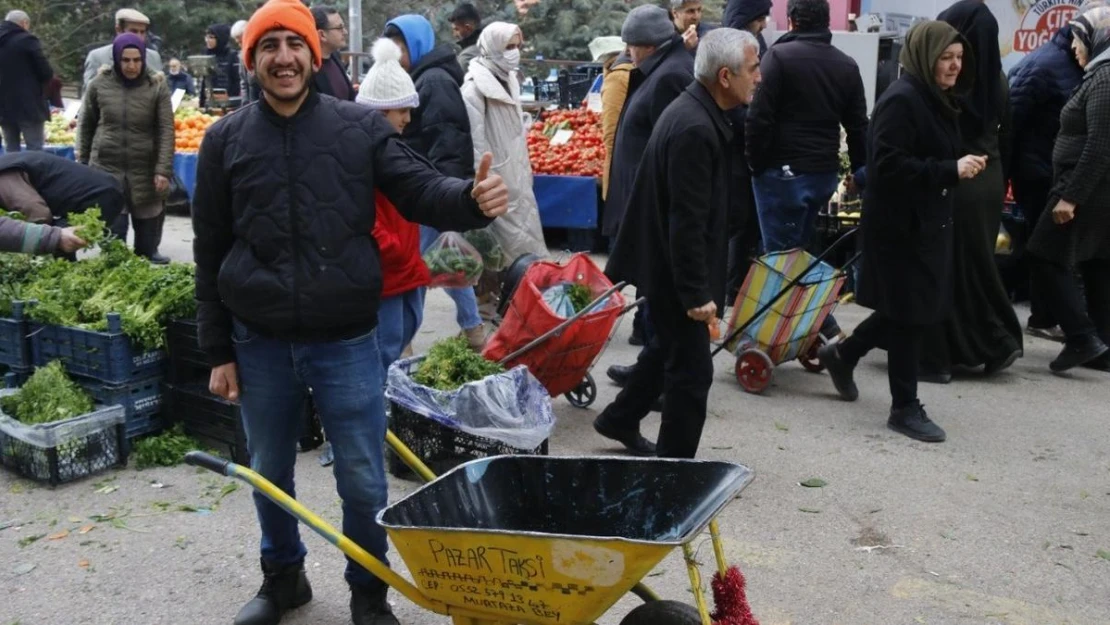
1075,231
491,91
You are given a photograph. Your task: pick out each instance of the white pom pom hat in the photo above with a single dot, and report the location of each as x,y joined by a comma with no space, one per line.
387,85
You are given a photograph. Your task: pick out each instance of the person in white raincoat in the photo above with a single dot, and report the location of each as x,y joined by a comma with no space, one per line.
491,91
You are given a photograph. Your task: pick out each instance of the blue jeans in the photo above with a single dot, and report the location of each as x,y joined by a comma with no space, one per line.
399,318
346,382
788,207
466,302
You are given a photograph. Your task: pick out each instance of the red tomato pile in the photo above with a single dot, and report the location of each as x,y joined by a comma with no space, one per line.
583,155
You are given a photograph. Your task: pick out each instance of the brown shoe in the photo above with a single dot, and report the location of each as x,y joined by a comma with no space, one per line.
476,336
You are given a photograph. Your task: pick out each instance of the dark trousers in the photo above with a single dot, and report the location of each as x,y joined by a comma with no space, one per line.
675,360
902,343
1078,319
1032,197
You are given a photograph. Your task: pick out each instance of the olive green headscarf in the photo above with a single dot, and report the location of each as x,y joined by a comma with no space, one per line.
924,44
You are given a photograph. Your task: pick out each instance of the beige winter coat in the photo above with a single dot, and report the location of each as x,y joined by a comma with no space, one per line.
497,125
129,134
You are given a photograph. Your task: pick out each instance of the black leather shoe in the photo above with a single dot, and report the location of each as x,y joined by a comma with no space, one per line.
284,587
370,607
995,366
619,374
1078,353
840,372
1102,363
935,377
632,440
914,423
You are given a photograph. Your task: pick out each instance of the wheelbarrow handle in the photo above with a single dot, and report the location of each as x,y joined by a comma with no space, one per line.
206,460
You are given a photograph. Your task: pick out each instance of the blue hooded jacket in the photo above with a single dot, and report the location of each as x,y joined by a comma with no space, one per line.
440,127
420,37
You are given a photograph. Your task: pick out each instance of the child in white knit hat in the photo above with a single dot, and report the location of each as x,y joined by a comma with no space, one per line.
387,88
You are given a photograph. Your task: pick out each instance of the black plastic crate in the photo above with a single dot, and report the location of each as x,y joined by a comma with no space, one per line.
441,448
188,363
108,356
66,450
15,344
213,421
15,377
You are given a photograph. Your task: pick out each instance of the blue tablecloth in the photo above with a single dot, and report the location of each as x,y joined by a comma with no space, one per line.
185,166
566,201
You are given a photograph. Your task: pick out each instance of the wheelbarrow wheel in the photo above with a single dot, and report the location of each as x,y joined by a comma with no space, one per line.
583,395
663,613
809,360
753,370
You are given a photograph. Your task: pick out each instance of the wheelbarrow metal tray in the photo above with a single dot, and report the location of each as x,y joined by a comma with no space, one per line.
553,539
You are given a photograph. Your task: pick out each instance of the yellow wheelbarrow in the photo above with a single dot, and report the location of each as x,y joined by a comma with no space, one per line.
538,540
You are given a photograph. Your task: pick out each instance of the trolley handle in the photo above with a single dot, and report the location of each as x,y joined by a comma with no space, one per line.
207,461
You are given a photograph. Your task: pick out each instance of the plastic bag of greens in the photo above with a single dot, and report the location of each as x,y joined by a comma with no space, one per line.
493,255
452,261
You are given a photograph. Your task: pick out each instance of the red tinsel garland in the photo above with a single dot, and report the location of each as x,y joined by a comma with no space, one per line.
731,599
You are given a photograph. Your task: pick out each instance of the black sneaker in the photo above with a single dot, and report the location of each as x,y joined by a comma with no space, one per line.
633,441
914,423
284,587
840,372
619,374
371,607
1078,353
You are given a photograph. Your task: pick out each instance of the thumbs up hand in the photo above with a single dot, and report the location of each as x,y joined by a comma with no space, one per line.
489,190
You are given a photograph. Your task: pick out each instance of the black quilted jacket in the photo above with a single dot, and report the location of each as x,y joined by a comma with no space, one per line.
283,213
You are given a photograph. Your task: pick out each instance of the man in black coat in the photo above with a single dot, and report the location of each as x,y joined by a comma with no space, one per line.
663,71
44,187
688,23
288,281
810,89
673,248
332,78
24,72
749,15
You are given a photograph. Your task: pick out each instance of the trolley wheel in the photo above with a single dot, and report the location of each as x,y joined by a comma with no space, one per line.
810,360
583,395
753,370
663,613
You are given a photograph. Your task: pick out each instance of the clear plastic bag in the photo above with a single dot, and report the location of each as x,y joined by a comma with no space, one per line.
452,261
511,407
493,255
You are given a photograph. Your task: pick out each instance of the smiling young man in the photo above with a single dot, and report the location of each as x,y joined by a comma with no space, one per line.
288,284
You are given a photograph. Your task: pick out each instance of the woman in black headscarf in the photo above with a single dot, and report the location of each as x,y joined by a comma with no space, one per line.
914,164
983,329
1075,230
226,73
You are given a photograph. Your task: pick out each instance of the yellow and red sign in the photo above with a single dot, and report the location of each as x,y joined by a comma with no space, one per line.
1041,21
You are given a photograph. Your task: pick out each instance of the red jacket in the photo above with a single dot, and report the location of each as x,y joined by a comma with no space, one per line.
399,241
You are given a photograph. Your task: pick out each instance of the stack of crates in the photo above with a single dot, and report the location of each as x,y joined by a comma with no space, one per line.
213,421
109,368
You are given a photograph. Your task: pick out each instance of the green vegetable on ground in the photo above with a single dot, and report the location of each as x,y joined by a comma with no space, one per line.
48,396
450,363
81,294
165,450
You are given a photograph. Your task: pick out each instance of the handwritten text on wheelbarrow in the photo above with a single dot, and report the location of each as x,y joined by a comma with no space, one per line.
488,560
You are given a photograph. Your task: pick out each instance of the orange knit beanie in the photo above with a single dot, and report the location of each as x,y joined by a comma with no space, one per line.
290,15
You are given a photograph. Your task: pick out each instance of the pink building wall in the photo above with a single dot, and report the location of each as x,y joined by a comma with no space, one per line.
838,12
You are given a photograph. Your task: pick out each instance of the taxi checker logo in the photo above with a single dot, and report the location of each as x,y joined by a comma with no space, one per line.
1041,21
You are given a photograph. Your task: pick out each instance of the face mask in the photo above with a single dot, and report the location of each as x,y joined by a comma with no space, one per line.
512,58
